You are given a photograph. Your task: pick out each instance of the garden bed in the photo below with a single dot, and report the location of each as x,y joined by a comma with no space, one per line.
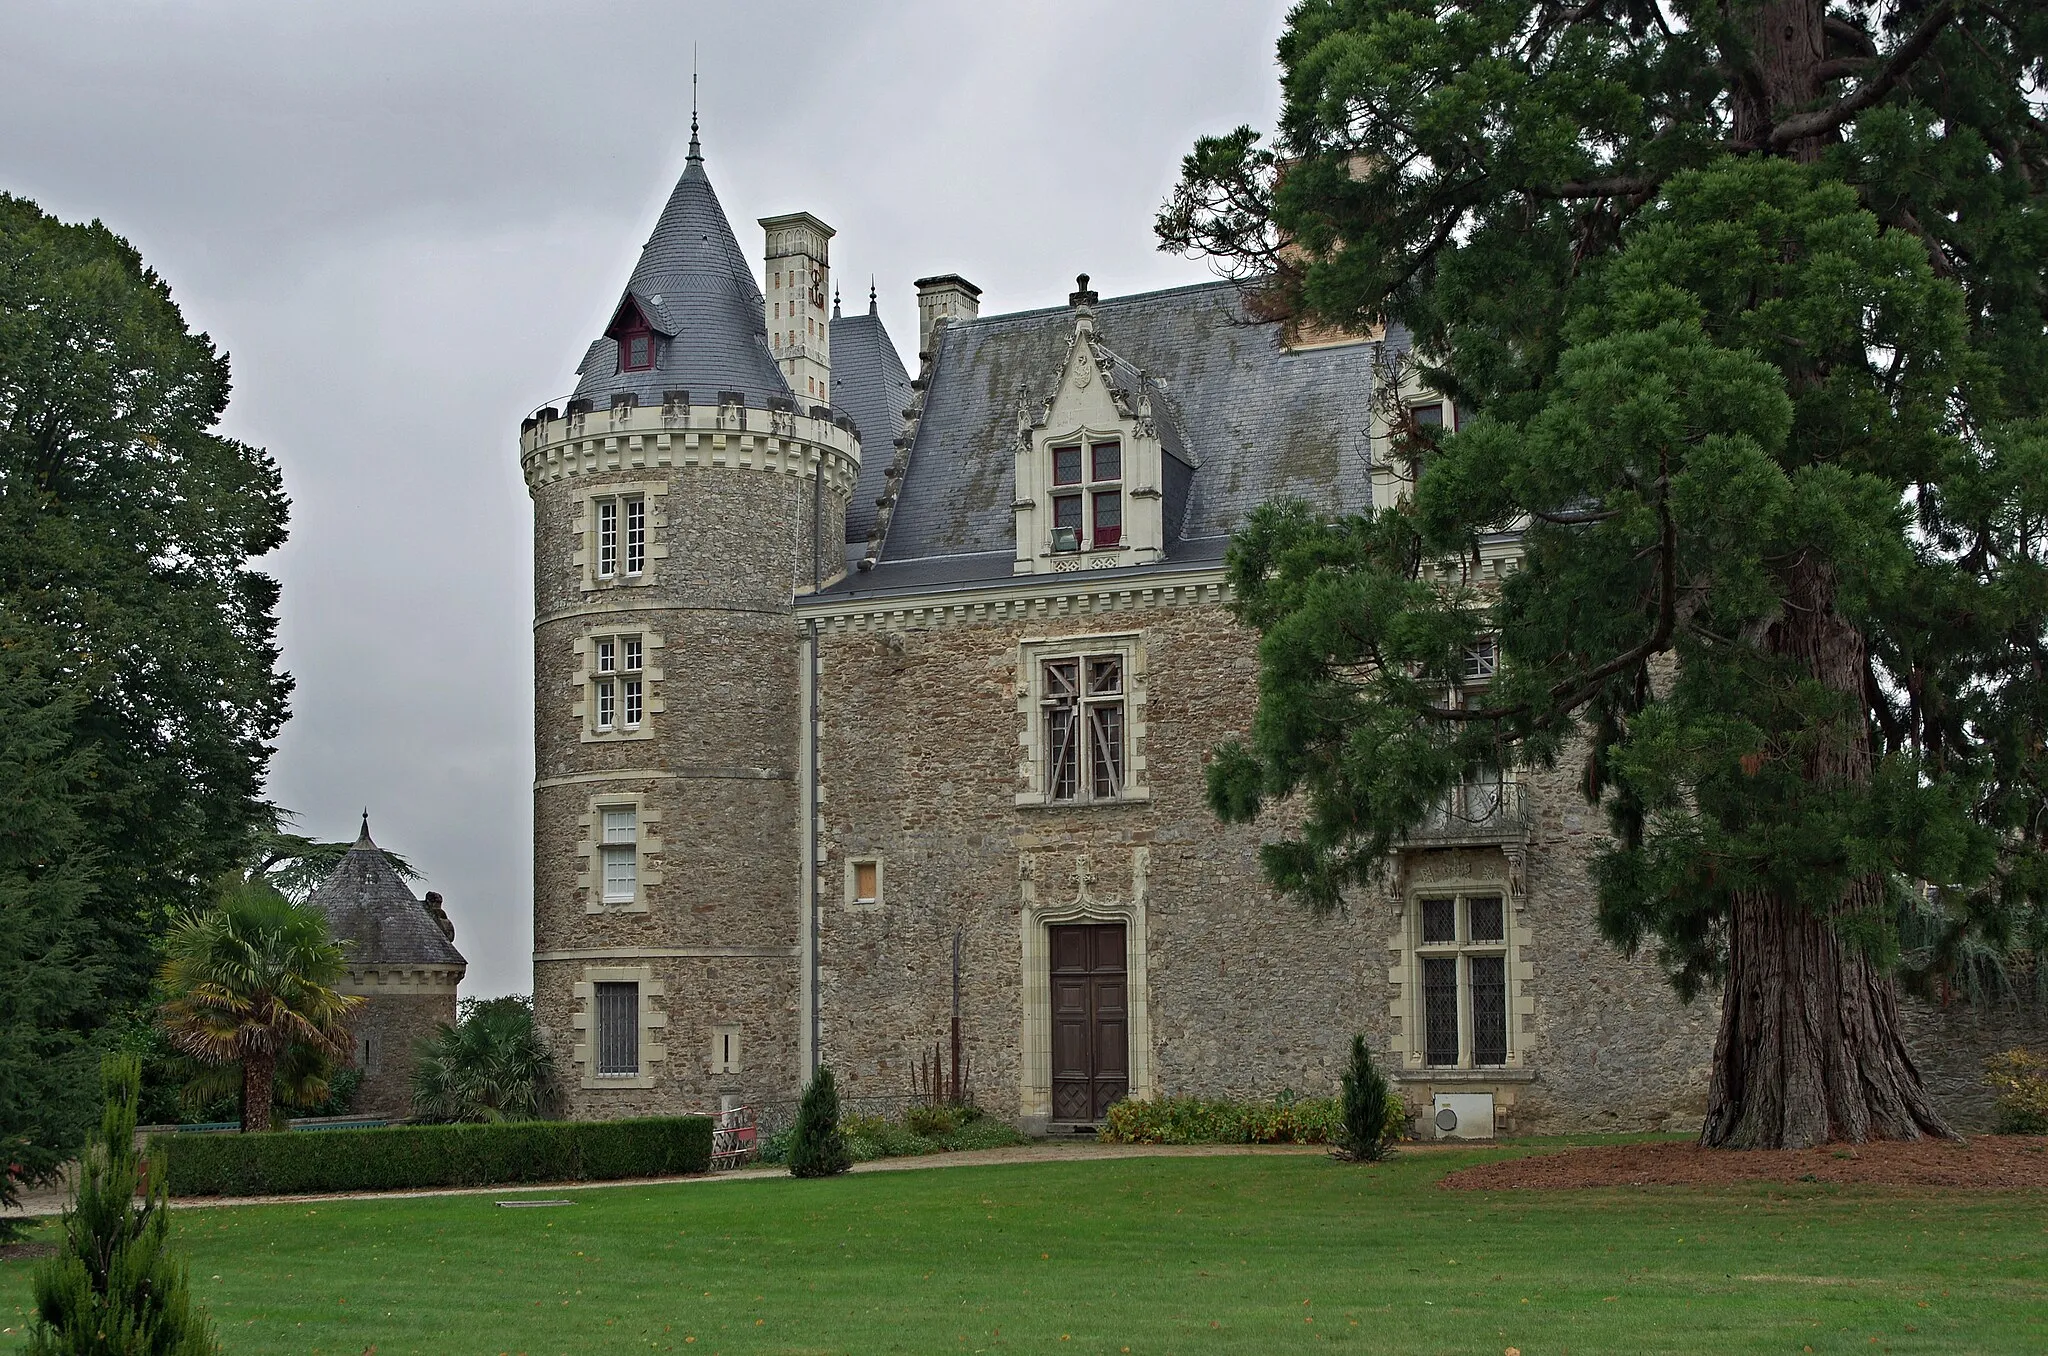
1986,1162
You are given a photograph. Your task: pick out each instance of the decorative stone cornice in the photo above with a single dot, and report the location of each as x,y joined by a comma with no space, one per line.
1045,597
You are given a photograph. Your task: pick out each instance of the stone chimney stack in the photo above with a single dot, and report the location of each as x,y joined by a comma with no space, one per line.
949,297
799,288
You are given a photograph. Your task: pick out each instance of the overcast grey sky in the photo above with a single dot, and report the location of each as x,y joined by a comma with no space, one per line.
405,221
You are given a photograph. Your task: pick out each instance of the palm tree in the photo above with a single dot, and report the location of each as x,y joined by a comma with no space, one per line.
491,1065
250,978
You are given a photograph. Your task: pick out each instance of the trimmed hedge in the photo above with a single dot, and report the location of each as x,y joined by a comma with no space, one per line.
1194,1120
408,1156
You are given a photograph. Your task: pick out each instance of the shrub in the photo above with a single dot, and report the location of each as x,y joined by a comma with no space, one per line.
2020,1078
492,1065
818,1149
936,1122
115,1285
872,1137
410,1156
1366,1104
1195,1120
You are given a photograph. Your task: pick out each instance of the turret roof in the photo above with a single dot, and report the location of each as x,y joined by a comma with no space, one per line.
696,288
371,909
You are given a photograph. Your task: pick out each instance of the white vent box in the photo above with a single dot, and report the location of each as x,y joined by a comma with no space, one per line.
1462,1115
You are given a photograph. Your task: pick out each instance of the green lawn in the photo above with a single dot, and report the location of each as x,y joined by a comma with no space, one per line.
1262,1254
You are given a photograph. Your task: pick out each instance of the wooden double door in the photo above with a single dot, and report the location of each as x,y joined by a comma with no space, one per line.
1091,1026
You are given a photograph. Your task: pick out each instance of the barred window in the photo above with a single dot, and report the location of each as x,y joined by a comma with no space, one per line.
1462,943
618,683
617,1037
1083,705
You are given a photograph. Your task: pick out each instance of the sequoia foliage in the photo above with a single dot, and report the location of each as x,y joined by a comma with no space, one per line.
138,692
1741,309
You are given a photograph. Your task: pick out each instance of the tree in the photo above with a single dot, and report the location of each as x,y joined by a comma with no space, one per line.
115,1285
138,686
491,1065
48,983
817,1148
250,979
1742,308
1366,1104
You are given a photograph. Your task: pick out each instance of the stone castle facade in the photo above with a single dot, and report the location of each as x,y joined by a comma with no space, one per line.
841,673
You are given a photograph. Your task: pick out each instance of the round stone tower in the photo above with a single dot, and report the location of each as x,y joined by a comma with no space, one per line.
681,497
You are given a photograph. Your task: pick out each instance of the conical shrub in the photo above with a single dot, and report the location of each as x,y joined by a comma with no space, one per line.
817,1149
115,1288
1365,1106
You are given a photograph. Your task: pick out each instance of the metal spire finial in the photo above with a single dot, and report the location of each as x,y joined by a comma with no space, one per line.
696,151
364,836
835,301
871,294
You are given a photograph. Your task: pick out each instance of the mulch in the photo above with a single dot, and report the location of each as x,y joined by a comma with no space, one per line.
1984,1163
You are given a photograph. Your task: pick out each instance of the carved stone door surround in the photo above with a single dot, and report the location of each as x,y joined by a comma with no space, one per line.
1058,888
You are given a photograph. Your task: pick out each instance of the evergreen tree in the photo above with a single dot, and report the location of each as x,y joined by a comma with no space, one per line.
816,1148
49,984
1366,1106
138,686
115,1287
1741,305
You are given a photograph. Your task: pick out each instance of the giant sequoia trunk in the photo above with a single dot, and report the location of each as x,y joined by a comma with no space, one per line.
1809,1050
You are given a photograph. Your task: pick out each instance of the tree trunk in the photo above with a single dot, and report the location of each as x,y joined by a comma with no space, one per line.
259,1072
1786,43
1809,1050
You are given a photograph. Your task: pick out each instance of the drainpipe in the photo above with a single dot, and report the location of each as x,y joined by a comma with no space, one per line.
814,904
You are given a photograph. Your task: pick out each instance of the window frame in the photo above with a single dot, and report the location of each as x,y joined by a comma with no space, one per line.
1086,491
616,545
597,849
607,1028
618,685
854,865
1460,951
1042,697
649,1027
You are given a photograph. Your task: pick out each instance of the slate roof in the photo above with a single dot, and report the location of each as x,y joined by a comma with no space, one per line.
1255,421
370,908
697,287
870,385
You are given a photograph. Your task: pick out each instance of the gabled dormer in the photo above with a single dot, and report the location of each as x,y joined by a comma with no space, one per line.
1094,474
638,340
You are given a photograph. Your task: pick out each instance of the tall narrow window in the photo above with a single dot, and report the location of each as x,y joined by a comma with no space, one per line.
630,680
1463,1013
620,853
1106,467
618,1029
607,539
636,536
1083,729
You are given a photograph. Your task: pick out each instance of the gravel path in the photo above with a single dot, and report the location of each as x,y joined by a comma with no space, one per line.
39,1203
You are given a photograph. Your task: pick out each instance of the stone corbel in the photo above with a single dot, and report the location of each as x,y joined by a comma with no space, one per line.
1517,857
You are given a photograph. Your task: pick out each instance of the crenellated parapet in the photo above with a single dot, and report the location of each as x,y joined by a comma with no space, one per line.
557,443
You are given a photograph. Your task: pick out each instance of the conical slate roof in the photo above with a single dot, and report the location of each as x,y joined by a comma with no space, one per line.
370,908
696,288
868,383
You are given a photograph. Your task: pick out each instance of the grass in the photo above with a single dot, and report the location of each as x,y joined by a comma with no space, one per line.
1242,1254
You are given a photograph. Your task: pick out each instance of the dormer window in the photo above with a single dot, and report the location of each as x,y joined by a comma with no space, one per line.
1087,499
633,332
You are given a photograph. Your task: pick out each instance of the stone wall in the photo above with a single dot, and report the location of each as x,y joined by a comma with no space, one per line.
712,773
1950,1045
1247,994
393,1025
